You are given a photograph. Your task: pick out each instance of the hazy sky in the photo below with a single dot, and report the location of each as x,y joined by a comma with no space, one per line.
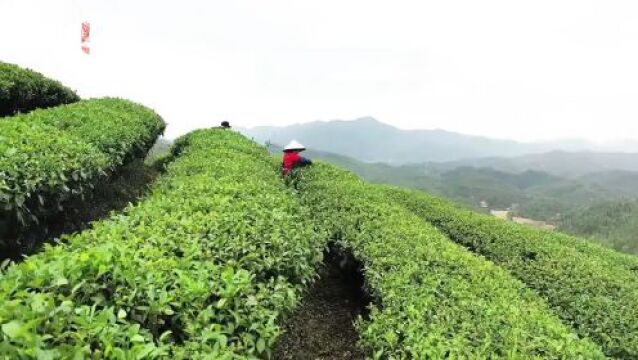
516,69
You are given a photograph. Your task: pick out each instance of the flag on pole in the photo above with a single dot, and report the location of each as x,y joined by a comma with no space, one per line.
86,33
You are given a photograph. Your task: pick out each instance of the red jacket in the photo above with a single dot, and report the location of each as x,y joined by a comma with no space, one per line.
292,159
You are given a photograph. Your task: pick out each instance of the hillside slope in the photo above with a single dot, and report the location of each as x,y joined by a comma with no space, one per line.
201,269
434,299
589,206
50,157
613,223
210,262
592,288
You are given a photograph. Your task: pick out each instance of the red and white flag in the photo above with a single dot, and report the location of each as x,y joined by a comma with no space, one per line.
86,34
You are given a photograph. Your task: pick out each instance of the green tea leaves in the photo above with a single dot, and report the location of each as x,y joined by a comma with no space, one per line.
22,90
12,329
198,269
436,300
121,314
49,157
591,288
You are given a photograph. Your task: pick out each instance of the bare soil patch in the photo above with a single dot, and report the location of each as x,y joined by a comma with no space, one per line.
323,325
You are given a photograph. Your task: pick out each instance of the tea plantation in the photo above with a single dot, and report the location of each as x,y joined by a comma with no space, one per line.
434,298
592,288
210,264
48,157
23,90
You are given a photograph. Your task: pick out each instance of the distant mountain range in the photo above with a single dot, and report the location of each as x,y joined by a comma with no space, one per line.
369,140
542,193
560,163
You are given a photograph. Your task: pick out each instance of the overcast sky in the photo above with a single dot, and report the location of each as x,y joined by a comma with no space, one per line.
525,70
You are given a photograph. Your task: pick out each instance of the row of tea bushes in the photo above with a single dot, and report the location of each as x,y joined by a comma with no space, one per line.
203,268
49,156
434,299
23,90
594,289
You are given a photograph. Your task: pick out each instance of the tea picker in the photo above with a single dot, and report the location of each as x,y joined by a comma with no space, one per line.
293,159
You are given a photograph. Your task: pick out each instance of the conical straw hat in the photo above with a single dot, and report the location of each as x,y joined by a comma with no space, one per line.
294,145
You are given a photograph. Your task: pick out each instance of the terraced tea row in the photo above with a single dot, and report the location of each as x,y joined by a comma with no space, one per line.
50,156
592,288
435,299
23,90
206,266
203,268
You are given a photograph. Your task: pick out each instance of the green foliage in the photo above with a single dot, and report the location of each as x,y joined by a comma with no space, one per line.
128,185
48,157
434,299
539,195
592,288
624,183
612,223
600,218
23,90
203,268
578,206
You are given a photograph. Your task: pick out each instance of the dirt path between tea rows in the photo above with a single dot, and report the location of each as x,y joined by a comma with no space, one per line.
323,325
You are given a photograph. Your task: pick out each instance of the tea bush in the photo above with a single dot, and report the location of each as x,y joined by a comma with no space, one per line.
202,268
434,299
594,289
23,90
49,156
